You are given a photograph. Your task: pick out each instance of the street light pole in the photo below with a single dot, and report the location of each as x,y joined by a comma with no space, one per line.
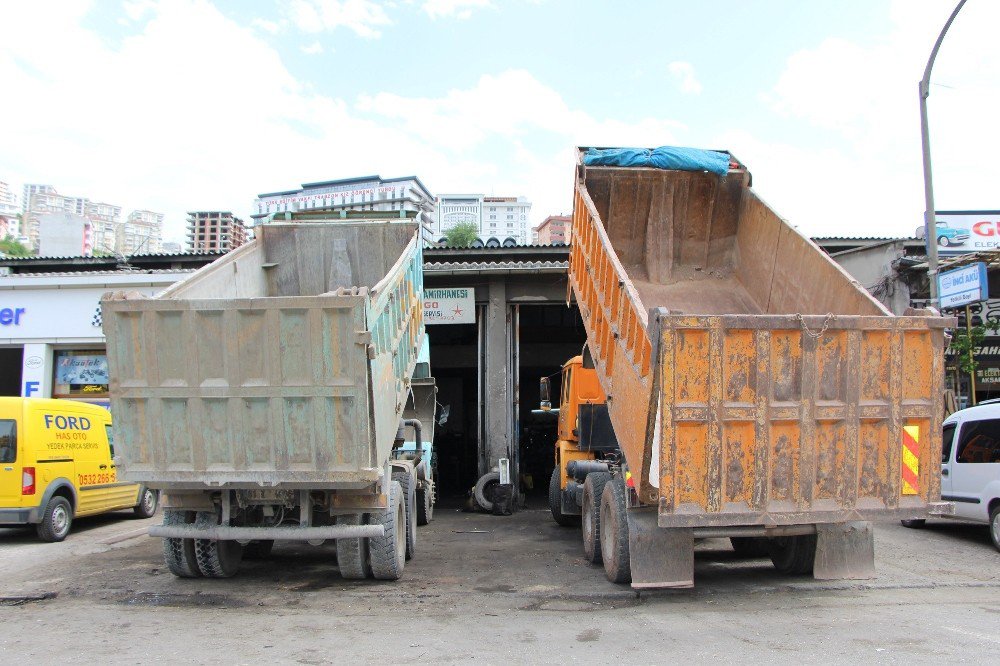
930,222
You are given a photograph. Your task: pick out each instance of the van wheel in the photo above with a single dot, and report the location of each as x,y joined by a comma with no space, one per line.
148,502
995,526
216,558
178,554
614,532
593,490
56,520
388,552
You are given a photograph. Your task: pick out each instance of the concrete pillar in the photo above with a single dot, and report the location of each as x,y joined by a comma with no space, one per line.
36,371
497,402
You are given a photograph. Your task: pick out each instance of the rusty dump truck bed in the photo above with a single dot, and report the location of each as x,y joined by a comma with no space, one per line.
285,363
750,380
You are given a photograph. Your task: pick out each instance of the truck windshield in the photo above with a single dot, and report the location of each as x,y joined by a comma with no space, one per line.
8,441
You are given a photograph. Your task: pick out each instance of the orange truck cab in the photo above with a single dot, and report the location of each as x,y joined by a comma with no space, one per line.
57,463
586,441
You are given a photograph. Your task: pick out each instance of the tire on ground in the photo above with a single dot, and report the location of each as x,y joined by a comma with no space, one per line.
593,489
149,499
388,552
555,502
614,532
794,554
751,546
425,502
178,554
482,491
258,550
352,554
995,526
408,484
216,558
56,519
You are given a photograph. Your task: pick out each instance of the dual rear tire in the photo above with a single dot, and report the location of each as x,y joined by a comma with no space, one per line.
383,557
193,558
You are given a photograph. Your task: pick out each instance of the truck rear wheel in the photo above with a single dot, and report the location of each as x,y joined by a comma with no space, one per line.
406,481
614,532
555,502
751,546
258,550
216,558
178,554
352,554
388,552
793,554
593,490
425,502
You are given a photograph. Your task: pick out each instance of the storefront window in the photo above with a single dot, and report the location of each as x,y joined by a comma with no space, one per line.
80,374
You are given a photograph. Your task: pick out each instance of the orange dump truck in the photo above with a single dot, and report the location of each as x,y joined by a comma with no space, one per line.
756,391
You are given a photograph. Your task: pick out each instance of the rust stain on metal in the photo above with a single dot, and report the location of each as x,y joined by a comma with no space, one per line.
782,387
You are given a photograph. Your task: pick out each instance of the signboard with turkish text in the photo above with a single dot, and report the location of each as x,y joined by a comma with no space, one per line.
450,306
961,232
964,285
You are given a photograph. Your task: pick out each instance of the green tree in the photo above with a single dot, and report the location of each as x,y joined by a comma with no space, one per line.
13,248
463,234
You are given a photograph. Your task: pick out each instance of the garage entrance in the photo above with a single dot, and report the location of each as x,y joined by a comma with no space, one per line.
455,367
548,336
11,362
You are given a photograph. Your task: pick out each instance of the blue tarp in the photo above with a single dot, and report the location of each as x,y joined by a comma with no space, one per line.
664,157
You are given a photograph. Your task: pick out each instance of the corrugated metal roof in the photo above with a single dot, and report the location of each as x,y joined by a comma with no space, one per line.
105,258
141,271
496,266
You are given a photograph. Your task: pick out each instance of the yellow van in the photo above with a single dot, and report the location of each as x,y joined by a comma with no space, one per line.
56,463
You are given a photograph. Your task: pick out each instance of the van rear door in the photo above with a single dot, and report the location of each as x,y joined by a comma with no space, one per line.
10,462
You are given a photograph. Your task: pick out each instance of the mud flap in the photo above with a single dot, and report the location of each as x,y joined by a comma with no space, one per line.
845,551
661,558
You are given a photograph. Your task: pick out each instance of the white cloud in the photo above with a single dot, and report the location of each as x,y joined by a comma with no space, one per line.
268,26
868,180
363,17
683,73
168,128
312,49
461,9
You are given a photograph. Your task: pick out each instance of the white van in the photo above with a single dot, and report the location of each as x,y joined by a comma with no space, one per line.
970,466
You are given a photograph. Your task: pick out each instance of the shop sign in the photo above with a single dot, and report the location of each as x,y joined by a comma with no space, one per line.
450,306
961,232
964,285
82,371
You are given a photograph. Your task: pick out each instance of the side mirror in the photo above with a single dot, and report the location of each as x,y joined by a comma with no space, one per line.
543,390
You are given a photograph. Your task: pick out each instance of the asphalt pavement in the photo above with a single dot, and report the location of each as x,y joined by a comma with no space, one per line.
494,590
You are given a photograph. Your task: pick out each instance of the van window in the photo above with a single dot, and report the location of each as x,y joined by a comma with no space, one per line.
979,442
8,441
111,441
946,440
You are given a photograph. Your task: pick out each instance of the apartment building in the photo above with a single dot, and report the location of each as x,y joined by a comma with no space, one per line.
215,231
502,221
554,230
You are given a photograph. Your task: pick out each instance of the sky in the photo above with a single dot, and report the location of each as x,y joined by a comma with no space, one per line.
179,105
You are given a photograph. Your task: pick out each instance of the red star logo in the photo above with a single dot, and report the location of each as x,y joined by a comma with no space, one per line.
457,311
